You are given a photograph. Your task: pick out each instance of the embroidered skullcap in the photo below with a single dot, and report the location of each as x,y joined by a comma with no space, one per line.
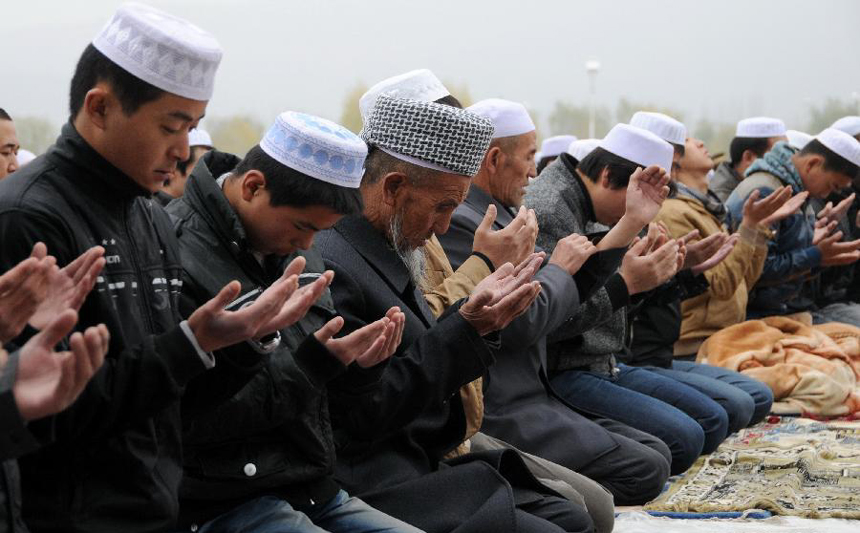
582,147
841,143
850,125
24,157
552,146
431,135
797,139
419,84
639,146
199,137
663,126
317,148
162,50
760,127
509,118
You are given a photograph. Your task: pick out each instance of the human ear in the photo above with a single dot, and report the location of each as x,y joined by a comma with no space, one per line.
98,104
604,178
393,185
253,183
494,158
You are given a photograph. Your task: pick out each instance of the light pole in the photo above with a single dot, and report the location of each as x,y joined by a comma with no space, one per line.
592,67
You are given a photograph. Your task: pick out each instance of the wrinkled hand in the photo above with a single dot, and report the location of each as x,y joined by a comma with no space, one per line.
511,244
68,287
22,290
835,253
755,211
47,381
571,252
831,213
787,209
367,346
643,268
502,296
645,194
279,306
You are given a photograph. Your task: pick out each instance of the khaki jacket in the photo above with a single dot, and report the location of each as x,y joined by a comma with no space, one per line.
443,288
725,302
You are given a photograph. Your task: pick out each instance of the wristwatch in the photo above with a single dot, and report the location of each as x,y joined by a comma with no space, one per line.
267,344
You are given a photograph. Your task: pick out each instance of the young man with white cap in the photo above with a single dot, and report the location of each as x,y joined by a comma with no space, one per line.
754,137
552,147
518,406
840,283
265,459
657,324
8,145
828,163
199,142
397,421
583,355
664,341
137,91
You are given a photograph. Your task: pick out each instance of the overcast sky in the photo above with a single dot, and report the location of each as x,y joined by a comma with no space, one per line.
722,59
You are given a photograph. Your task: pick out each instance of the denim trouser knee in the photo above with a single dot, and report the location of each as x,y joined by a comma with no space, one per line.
342,514
685,419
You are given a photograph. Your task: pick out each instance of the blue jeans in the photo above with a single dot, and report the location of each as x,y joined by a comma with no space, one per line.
686,420
342,514
746,401
847,313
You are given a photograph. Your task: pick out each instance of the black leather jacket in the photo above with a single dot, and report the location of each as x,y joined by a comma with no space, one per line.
115,460
273,437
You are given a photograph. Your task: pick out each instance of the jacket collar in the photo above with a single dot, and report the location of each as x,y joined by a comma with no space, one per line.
579,195
726,169
778,162
90,170
205,197
374,247
479,200
709,201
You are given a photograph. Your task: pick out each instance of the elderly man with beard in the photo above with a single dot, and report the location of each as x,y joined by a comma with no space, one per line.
520,408
395,422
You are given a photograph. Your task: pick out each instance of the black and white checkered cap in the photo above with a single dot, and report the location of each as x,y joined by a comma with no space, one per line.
444,137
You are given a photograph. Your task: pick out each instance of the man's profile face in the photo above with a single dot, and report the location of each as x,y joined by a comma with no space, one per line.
178,179
609,204
282,230
147,144
517,165
822,183
8,148
426,208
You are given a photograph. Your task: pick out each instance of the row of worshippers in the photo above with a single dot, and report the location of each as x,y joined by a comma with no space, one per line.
386,332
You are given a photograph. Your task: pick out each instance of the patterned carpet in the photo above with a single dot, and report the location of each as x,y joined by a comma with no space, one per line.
789,466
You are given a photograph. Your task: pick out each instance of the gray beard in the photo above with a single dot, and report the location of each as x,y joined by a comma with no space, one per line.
414,258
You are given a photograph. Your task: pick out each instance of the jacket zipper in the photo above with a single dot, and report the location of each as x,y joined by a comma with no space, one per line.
143,302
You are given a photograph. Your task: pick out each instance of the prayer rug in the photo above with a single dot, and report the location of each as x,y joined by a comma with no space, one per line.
788,466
